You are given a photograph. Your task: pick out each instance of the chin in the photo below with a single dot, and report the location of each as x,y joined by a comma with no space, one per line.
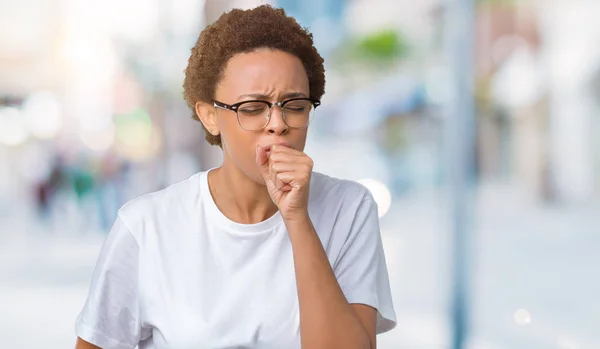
258,180
254,175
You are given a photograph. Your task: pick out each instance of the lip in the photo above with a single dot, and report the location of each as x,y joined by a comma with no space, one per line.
268,146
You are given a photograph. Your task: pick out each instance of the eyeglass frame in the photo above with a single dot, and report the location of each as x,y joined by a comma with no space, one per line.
234,108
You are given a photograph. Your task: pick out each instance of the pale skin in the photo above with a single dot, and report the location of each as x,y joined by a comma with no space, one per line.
267,170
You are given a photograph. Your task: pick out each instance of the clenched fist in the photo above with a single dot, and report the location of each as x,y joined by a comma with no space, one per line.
287,173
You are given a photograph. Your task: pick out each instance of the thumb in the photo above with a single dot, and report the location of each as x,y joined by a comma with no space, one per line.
262,160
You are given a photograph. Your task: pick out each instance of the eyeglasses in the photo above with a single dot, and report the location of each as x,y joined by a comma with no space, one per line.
254,115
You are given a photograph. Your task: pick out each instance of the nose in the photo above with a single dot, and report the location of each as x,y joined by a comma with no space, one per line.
276,123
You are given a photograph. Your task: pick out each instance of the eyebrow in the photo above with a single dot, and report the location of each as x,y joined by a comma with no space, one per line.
265,97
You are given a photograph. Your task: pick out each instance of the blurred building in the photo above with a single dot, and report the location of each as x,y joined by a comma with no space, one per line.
92,114
536,102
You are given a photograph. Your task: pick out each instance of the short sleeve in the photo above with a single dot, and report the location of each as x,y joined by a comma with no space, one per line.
110,317
361,268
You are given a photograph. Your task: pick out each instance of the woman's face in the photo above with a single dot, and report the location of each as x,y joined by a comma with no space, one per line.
263,74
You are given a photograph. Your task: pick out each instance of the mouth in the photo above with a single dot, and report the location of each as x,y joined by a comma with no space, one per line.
268,147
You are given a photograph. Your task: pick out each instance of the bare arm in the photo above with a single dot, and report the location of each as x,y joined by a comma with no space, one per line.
81,344
327,320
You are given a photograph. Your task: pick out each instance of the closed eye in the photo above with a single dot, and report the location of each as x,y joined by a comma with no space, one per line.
295,109
252,110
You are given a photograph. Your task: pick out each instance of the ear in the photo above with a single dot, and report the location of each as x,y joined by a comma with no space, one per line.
208,116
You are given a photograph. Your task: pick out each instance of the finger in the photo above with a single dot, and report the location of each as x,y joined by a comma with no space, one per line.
294,178
274,175
261,155
278,148
283,180
282,186
262,161
290,158
283,149
302,169
279,167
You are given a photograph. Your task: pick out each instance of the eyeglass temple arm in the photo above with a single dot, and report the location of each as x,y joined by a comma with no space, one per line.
223,106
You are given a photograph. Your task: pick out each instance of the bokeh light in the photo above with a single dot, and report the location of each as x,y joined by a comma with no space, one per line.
92,115
42,115
136,137
522,317
381,194
99,139
12,129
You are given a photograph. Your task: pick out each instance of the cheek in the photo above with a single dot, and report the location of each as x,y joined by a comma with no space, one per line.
239,144
239,148
298,138
227,123
229,130
302,137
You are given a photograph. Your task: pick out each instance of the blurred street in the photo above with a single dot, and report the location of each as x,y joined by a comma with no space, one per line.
92,115
541,260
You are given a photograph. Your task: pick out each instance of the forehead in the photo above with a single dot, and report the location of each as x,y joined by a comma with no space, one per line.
264,71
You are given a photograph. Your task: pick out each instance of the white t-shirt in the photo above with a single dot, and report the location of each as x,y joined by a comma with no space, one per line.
174,272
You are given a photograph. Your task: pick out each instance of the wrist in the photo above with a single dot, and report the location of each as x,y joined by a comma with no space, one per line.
299,219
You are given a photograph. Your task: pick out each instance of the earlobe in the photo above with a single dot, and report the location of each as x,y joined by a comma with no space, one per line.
208,116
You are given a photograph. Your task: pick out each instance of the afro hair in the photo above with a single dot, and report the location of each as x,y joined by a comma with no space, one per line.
242,31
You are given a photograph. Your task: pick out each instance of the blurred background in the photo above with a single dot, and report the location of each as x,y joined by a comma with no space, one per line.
92,115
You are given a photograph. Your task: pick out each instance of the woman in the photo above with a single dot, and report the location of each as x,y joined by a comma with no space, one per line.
260,252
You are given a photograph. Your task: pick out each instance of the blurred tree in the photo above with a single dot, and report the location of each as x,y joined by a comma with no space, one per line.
384,45
378,49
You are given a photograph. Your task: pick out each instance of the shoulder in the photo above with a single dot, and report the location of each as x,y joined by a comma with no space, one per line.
341,210
345,194
168,203
324,185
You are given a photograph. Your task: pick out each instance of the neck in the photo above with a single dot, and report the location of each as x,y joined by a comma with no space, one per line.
238,197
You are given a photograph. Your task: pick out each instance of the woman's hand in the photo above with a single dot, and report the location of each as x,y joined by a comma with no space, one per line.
287,173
